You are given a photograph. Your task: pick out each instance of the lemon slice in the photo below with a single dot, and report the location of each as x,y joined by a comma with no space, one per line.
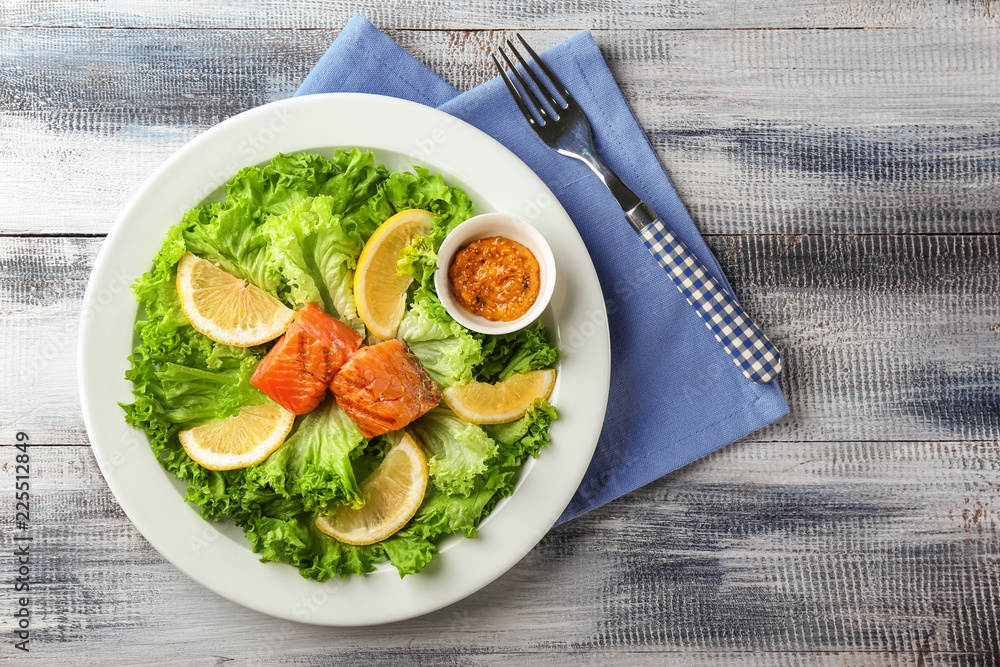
244,439
394,491
484,403
379,292
226,309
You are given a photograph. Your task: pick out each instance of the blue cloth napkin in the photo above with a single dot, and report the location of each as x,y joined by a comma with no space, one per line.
675,393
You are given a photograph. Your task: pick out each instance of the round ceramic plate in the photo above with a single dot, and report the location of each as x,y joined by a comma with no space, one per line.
401,134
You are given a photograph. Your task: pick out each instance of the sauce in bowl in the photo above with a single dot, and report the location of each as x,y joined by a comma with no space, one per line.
495,278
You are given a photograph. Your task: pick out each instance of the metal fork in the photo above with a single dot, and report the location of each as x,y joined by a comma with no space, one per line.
563,126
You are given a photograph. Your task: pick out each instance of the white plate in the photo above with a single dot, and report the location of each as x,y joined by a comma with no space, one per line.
401,134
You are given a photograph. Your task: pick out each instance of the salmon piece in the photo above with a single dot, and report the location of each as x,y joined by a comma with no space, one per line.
384,387
297,370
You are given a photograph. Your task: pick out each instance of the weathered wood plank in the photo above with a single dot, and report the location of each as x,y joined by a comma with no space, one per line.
862,529
847,131
763,553
884,337
42,282
514,14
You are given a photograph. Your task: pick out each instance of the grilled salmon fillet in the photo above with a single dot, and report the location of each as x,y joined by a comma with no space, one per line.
297,370
384,387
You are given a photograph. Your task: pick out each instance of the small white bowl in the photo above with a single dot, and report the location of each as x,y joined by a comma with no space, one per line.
481,227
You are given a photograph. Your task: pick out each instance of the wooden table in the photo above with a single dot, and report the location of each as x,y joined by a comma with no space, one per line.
841,157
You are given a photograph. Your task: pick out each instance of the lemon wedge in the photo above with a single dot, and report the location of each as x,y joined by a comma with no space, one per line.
242,440
226,309
394,491
484,403
379,292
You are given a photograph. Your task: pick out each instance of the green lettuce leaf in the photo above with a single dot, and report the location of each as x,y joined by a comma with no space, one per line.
285,181
193,396
358,182
314,463
163,328
446,349
315,252
295,540
240,235
457,450
524,437
295,227
429,192
517,352
228,234
327,557
422,189
419,260
516,441
149,413
180,377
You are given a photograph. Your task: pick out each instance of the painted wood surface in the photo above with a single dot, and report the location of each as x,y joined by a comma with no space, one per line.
780,554
848,179
772,131
493,14
885,337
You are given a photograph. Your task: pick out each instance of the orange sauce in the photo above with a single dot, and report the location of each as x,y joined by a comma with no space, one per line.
495,278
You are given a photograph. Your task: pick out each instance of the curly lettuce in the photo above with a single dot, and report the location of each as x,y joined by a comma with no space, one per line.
315,251
295,227
457,451
446,349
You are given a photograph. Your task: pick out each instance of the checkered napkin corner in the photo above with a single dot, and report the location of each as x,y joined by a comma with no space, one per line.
746,344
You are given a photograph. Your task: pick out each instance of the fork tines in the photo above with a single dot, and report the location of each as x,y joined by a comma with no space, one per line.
528,101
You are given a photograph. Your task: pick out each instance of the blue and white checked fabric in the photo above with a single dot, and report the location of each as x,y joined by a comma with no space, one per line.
743,340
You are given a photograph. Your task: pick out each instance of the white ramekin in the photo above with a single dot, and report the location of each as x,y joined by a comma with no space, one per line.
484,226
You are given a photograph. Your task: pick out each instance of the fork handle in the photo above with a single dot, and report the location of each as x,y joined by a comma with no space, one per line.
742,339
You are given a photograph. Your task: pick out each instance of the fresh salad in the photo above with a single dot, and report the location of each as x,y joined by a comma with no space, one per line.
296,228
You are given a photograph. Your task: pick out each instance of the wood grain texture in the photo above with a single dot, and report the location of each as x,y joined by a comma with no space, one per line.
843,131
762,553
512,14
884,337
41,290
842,158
